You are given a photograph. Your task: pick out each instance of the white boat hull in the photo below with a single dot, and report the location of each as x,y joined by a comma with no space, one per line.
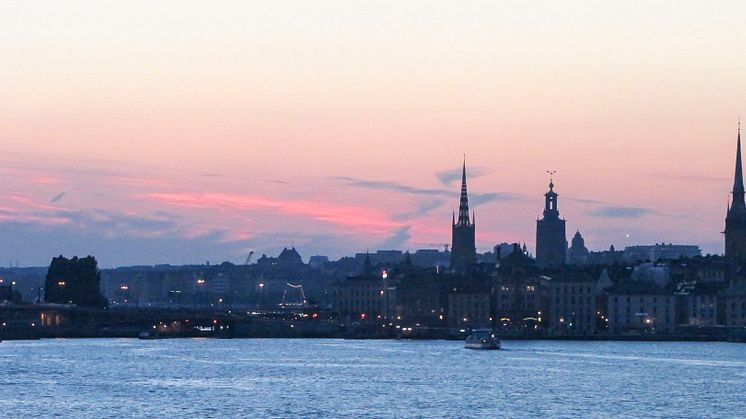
482,339
482,345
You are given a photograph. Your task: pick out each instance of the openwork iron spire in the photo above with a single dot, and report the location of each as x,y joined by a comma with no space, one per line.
463,208
738,190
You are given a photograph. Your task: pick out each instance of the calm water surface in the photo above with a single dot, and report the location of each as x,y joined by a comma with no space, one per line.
340,378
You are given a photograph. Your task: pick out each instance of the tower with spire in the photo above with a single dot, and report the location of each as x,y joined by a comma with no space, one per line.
551,242
735,220
463,243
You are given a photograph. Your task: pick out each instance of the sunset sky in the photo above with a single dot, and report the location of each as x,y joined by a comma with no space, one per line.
182,131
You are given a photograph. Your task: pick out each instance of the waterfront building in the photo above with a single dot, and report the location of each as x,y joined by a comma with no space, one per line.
359,297
463,242
551,241
701,307
735,220
519,292
641,307
468,308
573,302
577,254
734,304
420,299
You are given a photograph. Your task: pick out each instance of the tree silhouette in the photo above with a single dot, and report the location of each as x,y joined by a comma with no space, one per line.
74,281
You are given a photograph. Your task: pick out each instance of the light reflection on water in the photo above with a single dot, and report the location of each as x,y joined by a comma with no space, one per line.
308,377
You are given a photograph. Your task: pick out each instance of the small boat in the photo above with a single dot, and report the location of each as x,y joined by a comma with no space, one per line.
482,339
147,335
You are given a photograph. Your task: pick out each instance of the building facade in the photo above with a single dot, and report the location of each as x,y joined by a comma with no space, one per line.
660,251
641,308
360,297
519,293
468,310
572,303
734,304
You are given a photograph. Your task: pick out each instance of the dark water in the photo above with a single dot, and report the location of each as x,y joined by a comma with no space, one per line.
338,378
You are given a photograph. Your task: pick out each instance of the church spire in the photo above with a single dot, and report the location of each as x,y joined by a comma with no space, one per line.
463,246
463,208
738,190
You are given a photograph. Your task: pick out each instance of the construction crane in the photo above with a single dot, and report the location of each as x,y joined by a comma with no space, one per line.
248,259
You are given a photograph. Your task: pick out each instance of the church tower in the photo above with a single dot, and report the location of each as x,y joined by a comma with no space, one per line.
735,221
551,242
463,243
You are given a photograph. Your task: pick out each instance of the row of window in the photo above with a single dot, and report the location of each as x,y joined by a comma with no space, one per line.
581,300
529,288
654,309
667,300
572,289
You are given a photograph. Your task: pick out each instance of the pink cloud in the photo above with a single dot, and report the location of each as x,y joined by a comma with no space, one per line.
46,180
20,208
29,202
357,218
13,215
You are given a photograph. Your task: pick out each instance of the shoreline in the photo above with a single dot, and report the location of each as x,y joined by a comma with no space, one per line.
615,338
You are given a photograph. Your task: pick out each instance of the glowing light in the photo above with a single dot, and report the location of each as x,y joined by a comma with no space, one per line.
61,283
